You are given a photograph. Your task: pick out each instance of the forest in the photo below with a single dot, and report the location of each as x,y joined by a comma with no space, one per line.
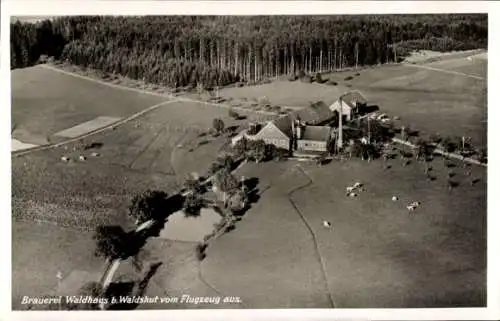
180,51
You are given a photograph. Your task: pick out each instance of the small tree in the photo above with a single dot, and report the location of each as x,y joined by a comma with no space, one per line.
449,145
218,125
318,78
225,181
192,185
147,205
110,242
238,201
257,151
192,204
422,149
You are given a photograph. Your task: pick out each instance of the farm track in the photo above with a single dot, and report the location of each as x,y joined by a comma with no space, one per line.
149,92
309,228
445,71
97,131
172,99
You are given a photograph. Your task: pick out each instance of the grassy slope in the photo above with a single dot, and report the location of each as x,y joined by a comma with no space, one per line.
97,191
376,255
287,93
269,259
436,258
45,102
40,251
427,100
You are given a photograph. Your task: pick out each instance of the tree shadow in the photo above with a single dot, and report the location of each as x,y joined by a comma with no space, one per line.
369,109
251,183
131,289
94,145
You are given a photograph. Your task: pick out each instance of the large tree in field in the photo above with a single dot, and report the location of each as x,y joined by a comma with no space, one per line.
147,205
111,242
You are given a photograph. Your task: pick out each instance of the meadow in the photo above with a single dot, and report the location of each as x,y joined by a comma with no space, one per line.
279,255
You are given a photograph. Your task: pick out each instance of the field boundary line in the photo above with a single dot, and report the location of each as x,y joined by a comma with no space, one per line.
308,226
105,83
443,153
148,92
97,131
445,71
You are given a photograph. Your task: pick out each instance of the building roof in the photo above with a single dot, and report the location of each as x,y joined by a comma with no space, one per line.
316,133
353,97
279,128
316,113
284,124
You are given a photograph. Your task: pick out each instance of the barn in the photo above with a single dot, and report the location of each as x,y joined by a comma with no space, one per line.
350,103
314,139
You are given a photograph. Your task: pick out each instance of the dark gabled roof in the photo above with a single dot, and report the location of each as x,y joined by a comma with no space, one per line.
316,133
353,97
278,128
316,113
284,124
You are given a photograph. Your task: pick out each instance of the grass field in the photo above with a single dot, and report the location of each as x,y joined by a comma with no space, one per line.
429,100
45,102
147,153
376,255
39,251
287,93
279,255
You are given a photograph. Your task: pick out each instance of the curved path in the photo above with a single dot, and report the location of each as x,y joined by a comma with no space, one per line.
445,71
306,223
172,99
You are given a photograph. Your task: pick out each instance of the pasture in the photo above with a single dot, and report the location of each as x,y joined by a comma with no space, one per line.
280,255
45,102
155,151
429,100
376,255
286,93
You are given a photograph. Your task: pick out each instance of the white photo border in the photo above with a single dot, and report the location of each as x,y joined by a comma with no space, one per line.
103,7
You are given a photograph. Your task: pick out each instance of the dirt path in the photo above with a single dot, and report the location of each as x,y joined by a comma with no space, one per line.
149,92
445,71
98,131
308,226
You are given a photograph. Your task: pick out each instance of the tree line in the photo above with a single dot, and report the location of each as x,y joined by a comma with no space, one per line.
211,51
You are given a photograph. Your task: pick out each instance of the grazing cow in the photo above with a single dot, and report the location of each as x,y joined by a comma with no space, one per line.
82,158
65,159
327,224
410,208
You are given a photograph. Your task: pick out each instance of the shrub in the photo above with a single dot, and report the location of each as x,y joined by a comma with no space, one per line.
292,77
332,82
318,78
218,125
200,251
348,78
307,79
302,73
233,114
192,204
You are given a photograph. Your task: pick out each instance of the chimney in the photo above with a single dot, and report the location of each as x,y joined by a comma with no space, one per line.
299,129
339,141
